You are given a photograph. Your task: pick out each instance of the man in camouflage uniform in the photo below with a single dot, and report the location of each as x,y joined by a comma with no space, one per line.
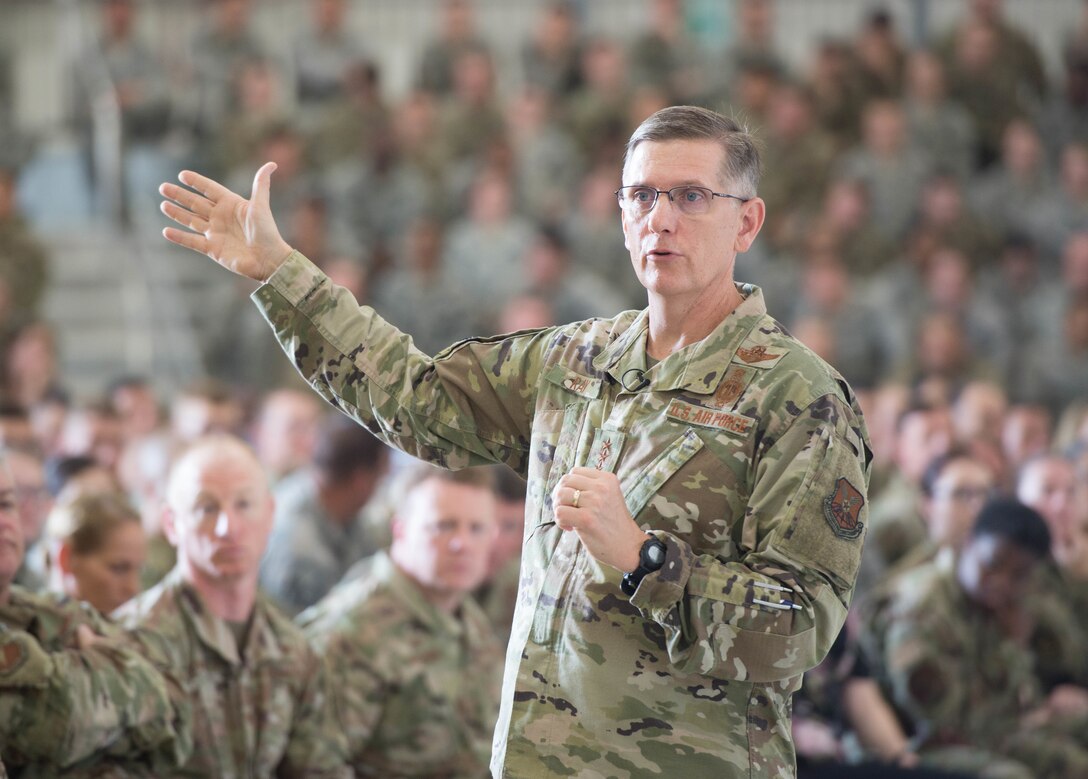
1060,640
258,691
954,659
417,666
695,437
319,531
74,698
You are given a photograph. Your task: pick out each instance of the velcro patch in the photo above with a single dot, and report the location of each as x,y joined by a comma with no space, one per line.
12,656
842,509
733,384
692,414
758,355
585,386
605,451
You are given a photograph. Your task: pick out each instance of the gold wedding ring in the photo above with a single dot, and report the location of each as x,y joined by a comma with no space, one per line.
577,494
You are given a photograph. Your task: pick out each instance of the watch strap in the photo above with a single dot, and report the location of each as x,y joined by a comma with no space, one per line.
652,548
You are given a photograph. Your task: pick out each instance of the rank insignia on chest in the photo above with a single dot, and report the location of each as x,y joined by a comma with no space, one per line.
842,509
605,451
733,384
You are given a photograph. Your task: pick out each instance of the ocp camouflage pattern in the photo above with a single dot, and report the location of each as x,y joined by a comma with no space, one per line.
694,673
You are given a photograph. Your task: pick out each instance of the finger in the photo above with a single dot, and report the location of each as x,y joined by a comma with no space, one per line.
194,201
194,241
184,217
262,184
212,190
564,494
566,518
584,472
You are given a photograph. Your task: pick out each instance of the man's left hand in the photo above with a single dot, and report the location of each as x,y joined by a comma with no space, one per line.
590,503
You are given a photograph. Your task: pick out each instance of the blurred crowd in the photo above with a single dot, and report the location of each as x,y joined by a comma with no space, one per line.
927,234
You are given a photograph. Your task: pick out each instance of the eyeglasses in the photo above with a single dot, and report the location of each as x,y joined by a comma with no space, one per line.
692,201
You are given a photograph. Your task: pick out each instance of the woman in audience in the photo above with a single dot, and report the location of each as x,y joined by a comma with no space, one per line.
97,548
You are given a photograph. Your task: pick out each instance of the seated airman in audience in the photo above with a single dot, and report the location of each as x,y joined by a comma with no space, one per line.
258,692
418,667
955,663
321,529
96,550
75,698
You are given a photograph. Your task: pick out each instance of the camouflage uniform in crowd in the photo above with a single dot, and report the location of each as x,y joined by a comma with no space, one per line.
965,686
99,711
498,596
1060,639
418,689
260,709
743,453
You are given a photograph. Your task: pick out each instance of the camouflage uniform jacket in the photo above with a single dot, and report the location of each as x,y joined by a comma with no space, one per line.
947,666
259,710
70,711
744,453
418,688
1060,638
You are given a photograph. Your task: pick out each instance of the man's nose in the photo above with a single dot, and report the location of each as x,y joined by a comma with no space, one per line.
224,524
663,215
459,541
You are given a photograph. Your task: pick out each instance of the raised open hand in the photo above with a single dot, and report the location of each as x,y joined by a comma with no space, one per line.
239,234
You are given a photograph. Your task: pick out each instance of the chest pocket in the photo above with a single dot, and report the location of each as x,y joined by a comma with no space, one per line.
641,486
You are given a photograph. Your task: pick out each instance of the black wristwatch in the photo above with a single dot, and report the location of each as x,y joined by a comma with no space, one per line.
650,558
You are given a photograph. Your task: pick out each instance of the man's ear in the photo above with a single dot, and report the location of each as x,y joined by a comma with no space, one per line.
751,220
63,557
168,525
396,527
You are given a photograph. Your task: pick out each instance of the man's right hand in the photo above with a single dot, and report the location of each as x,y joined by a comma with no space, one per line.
239,234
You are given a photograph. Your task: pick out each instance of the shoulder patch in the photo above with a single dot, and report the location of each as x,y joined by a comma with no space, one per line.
12,656
842,509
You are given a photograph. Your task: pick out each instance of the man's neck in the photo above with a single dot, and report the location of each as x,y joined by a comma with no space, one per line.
444,600
231,600
675,324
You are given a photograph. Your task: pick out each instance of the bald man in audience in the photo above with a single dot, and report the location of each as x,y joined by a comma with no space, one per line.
259,693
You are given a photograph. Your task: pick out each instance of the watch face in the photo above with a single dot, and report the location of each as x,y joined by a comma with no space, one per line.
655,553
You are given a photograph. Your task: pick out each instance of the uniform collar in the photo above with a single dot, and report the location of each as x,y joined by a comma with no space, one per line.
214,632
696,368
409,593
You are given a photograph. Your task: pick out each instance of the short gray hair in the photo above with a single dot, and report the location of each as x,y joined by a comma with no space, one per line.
741,167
